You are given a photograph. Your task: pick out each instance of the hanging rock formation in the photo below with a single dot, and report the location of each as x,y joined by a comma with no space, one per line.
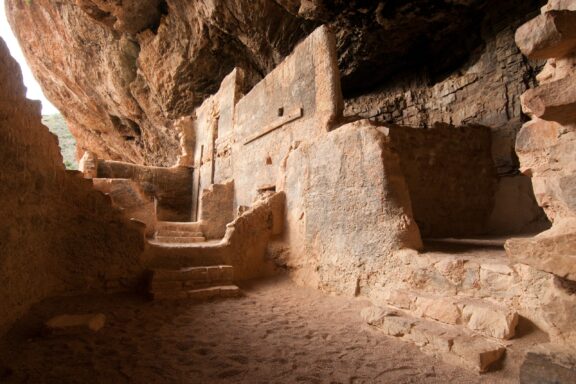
123,73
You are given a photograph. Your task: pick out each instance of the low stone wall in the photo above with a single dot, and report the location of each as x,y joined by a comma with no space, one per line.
172,187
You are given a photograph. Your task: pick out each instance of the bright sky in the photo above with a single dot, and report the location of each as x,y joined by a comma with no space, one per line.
34,90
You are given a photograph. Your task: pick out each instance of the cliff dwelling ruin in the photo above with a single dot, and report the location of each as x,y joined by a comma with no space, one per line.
290,191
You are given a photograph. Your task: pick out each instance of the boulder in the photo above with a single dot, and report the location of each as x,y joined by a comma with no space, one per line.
552,251
550,35
554,101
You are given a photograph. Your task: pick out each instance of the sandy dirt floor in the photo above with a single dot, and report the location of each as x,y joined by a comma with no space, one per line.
276,333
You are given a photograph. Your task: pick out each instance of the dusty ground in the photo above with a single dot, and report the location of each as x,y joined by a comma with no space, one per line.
276,333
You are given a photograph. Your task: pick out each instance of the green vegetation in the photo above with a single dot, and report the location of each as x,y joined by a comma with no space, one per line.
57,125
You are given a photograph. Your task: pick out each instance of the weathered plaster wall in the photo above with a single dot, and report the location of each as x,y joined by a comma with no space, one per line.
298,101
172,187
214,125
56,233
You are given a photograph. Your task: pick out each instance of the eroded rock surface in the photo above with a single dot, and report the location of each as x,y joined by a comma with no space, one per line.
546,147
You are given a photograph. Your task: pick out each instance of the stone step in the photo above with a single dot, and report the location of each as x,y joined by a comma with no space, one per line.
179,226
221,291
180,239
483,317
171,233
477,273
177,256
209,274
452,343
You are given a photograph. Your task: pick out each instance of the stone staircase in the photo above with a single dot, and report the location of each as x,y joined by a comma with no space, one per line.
186,266
456,305
179,232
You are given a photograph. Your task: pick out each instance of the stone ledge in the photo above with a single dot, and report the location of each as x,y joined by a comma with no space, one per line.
485,318
452,343
224,291
552,251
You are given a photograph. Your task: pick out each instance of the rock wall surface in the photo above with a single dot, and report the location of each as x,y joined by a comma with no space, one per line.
123,73
546,146
56,233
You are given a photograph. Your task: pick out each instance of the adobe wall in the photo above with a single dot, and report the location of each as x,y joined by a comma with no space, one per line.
57,234
172,187
298,101
214,127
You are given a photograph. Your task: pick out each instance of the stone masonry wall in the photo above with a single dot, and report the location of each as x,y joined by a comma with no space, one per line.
56,233
485,92
450,176
298,101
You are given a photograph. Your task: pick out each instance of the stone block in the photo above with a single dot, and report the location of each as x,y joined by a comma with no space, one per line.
490,320
401,299
442,309
374,315
554,101
432,337
552,251
227,272
537,135
550,35
193,273
477,353
453,343
396,325
229,291
496,278
71,324
213,273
